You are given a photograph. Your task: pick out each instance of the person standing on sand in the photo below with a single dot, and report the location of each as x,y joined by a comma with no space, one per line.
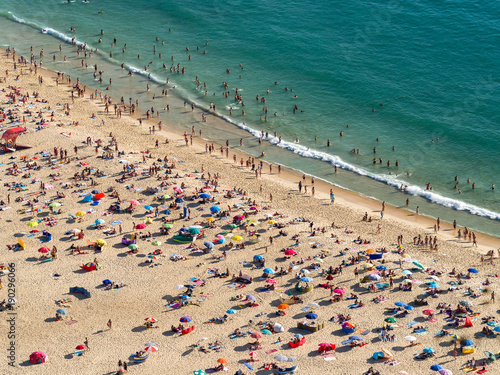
86,343
332,196
110,324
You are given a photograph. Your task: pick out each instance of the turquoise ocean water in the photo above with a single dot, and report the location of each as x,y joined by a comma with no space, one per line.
421,77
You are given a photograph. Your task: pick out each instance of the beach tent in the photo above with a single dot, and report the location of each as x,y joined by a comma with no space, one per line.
77,290
38,357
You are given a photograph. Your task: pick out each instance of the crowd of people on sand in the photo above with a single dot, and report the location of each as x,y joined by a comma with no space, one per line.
332,277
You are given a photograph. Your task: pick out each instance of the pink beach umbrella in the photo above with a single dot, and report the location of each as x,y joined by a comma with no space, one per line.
134,202
140,226
290,252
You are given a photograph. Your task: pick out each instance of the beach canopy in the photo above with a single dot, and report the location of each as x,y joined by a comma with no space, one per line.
38,357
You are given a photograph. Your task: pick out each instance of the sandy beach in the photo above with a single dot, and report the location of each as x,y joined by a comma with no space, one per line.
149,280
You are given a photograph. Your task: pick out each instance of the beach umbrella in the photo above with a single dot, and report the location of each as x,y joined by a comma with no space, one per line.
305,271
248,365
99,222
258,257
381,268
339,291
370,251
250,297
281,358
390,319
253,354
445,371
467,342
208,245
298,335
400,304
428,312
62,311
148,208
99,196
149,343
436,367
283,306
89,266
204,196
271,281
133,246
150,319
199,372
165,196
150,256
465,303
266,332
107,282
313,304
434,277
80,213
167,225
311,316
269,271
177,189
496,329
231,311
185,319
306,279
410,338
271,222
151,348
357,338
238,217
290,252
409,308
419,265
194,231
156,243
428,350
256,335
210,219
44,250
254,208
214,209
95,191
80,347
32,224
55,204
434,285
472,270
222,360
455,337
185,297
374,276
319,260
134,202
237,238
406,272
140,226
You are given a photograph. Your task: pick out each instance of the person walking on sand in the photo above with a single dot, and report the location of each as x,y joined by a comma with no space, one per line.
332,196
86,343
110,324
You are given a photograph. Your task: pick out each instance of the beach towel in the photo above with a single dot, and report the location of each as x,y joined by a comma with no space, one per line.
411,324
329,357
271,351
69,322
481,371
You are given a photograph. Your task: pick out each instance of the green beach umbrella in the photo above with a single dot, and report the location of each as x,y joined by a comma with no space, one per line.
418,265
390,319
199,372
133,246
168,226
55,204
156,243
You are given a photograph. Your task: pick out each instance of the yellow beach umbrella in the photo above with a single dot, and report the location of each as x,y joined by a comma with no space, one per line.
237,238
101,242
210,219
32,224
271,222
80,213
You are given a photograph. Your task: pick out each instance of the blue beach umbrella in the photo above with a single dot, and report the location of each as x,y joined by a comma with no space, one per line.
496,329
381,268
428,350
204,196
179,200
312,316
208,245
357,338
231,311
62,311
306,279
472,270
99,221
467,342
409,308
436,367
258,257
269,271
214,209
400,304
148,208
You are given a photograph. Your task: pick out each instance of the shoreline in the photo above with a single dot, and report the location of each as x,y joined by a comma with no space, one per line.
291,177
149,290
